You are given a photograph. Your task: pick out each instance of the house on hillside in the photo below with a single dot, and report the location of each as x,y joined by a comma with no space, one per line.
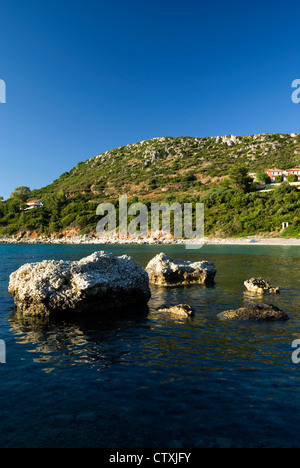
294,171
34,204
273,173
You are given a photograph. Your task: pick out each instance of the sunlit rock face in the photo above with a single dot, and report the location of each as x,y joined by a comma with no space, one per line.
258,312
180,310
99,282
260,286
166,271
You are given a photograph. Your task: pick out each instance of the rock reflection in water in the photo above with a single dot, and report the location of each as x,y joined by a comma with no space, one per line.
80,339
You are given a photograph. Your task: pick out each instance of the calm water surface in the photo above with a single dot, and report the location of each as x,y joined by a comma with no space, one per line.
149,380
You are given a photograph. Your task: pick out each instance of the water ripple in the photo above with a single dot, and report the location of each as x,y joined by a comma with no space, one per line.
152,380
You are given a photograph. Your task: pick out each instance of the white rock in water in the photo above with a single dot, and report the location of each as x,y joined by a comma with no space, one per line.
260,285
166,271
101,281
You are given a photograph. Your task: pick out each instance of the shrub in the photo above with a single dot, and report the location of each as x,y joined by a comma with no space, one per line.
263,178
293,178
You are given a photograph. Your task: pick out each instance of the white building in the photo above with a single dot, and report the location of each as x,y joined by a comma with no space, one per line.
34,204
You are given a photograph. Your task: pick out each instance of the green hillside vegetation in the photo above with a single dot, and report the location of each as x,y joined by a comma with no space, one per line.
184,169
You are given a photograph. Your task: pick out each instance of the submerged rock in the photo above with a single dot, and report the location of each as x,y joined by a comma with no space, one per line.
166,271
100,281
266,312
260,286
181,310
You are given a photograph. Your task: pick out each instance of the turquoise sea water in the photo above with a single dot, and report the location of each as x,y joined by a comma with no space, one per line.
149,380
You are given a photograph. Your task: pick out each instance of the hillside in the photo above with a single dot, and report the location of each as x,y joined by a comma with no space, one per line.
166,164
183,169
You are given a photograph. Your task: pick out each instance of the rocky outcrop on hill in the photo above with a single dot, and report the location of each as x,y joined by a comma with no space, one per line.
99,282
166,271
264,312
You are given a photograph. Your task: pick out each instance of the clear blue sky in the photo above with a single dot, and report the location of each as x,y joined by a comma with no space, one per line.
87,76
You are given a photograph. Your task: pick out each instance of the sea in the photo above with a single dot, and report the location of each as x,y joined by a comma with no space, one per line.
147,379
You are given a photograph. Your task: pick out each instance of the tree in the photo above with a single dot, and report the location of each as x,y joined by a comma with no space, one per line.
21,193
279,179
241,179
293,178
263,178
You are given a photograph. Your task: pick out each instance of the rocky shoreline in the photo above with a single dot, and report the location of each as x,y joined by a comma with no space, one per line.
85,239
94,240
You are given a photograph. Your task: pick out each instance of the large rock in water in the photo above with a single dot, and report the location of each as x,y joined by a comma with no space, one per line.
264,312
100,281
166,271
